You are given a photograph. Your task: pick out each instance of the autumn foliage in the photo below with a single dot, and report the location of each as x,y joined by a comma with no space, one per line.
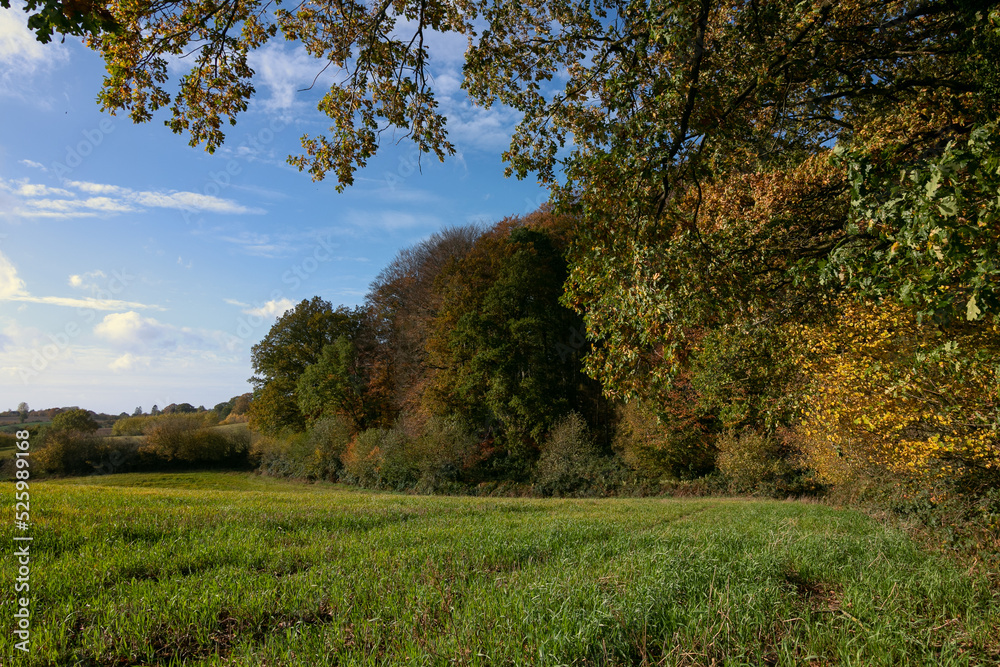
771,253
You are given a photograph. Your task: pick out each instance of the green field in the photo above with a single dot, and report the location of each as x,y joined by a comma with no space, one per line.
227,568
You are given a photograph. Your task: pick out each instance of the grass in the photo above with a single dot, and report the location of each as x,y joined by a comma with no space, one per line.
229,568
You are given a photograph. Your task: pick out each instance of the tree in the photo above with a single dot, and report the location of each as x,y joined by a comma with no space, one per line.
137,412
694,140
732,166
241,404
75,420
335,386
179,408
501,341
22,411
295,341
403,301
154,411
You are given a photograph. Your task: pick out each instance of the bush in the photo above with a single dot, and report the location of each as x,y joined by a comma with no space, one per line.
183,437
65,452
131,425
326,442
571,464
753,462
361,459
145,424
381,458
283,455
657,449
443,452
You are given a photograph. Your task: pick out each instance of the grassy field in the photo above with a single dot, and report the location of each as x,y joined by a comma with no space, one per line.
217,568
14,426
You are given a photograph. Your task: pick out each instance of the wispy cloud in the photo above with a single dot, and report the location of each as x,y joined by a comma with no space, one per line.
79,199
394,221
12,288
23,58
260,245
33,164
286,73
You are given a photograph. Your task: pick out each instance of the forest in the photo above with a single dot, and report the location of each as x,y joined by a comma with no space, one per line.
769,262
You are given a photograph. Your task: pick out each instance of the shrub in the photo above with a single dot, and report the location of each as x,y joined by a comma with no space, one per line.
658,449
361,458
442,453
64,452
398,463
381,458
283,455
145,424
183,437
130,425
570,463
326,442
754,462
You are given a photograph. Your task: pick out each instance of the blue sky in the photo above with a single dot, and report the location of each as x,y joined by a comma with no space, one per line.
137,270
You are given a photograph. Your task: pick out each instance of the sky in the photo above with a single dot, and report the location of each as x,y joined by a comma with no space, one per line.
136,270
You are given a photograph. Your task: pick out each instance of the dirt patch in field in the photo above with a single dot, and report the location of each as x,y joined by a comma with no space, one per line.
818,596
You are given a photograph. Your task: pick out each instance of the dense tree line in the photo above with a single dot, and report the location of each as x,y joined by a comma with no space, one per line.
777,224
461,337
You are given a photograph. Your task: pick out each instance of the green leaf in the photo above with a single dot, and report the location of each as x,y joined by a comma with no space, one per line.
948,207
972,311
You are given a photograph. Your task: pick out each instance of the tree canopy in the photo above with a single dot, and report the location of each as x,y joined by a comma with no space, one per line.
74,420
753,187
751,148
294,342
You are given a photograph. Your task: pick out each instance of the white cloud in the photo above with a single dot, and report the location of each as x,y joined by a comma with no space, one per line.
10,284
189,201
12,288
23,57
284,72
88,302
35,190
234,302
97,188
129,362
271,309
33,200
83,281
132,329
33,164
